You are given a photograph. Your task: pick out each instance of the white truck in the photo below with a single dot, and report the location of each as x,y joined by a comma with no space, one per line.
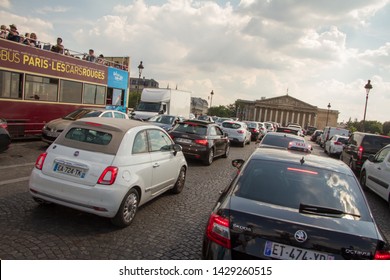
156,101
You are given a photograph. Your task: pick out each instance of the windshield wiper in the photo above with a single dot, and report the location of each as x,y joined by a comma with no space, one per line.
313,209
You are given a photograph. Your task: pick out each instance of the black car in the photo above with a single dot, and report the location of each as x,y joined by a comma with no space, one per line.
360,146
254,128
282,205
310,130
201,140
286,141
5,138
315,134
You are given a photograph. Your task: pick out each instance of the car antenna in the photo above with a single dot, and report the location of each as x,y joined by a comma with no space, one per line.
302,160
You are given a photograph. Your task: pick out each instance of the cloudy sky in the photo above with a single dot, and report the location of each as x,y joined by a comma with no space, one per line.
319,51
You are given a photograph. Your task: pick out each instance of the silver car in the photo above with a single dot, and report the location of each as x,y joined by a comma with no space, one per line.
54,128
108,167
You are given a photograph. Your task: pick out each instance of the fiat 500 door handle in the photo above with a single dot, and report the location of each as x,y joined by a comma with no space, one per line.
156,165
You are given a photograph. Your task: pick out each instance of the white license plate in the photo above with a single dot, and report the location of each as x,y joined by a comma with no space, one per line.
69,170
182,140
286,252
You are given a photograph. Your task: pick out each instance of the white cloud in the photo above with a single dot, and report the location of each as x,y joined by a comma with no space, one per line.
5,4
322,51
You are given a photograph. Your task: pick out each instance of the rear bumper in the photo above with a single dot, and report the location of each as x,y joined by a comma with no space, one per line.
237,139
195,152
101,200
213,251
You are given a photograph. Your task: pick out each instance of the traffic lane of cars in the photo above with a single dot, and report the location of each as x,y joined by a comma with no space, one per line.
169,227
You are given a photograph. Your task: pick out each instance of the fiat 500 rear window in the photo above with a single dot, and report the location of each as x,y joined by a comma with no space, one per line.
89,136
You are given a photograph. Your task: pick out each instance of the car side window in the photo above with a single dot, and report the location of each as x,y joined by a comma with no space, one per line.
107,115
140,144
218,130
119,115
159,141
213,132
380,157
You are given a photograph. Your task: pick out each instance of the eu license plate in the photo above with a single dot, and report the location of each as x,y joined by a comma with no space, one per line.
286,252
69,170
183,140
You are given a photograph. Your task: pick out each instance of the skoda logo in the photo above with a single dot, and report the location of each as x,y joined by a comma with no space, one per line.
76,153
300,236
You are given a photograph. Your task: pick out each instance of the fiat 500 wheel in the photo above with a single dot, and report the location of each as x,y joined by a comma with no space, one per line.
127,210
179,185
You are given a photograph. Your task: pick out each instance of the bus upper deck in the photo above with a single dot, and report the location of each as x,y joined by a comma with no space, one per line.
37,85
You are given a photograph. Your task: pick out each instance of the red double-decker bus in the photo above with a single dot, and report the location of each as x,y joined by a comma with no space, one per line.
37,85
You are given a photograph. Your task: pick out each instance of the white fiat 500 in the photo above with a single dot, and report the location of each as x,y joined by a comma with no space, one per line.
108,167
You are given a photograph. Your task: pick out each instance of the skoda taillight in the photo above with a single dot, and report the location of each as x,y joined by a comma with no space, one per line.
218,230
382,255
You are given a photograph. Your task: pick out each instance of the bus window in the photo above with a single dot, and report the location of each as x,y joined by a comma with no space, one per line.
70,92
117,97
41,88
10,85
94,94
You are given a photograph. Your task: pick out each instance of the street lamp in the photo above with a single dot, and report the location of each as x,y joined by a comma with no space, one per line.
140,68
368,87
211,98
327,115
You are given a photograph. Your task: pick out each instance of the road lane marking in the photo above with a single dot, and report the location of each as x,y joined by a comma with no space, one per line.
12,181
17,165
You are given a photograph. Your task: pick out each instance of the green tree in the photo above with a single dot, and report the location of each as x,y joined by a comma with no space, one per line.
222,111
386,128
134,98
371,127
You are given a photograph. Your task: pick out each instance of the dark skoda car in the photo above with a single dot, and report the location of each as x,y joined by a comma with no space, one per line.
294,206
201,140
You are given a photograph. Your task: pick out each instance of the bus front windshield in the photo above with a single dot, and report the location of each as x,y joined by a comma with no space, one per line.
149,106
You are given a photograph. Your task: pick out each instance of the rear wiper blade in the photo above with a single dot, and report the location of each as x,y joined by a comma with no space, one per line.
314,209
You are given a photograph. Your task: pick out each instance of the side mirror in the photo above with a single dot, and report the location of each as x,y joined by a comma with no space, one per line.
371,158
237,163
176,148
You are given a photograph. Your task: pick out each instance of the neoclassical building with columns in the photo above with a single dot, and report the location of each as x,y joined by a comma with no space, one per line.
284,110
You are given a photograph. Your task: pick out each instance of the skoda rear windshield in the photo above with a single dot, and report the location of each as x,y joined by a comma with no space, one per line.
290,185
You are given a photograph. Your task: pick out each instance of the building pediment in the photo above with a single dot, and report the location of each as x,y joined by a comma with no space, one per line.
285,101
